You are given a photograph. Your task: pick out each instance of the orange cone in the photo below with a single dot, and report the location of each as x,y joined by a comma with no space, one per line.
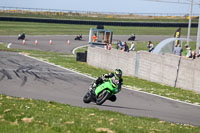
36,42
68,42
50,42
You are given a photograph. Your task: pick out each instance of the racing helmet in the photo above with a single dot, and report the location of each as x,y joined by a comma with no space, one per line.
118,73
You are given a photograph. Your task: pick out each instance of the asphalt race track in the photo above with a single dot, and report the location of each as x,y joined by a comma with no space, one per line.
22,76
60,42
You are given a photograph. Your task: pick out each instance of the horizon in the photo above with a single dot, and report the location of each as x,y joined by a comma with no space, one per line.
111,6
78,11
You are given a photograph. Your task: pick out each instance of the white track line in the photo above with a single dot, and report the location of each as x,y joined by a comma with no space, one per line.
9,45
95,78
73,51
163,97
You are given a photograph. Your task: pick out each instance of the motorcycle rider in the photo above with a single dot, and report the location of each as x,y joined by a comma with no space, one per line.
21,36
78,37
116,79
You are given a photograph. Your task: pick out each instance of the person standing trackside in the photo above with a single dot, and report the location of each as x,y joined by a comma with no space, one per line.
178,50
119,44
107,46
94,37
132,47
198,52
188,52
125,47
150,46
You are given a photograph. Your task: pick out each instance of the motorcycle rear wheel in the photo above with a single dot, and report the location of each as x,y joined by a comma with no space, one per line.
102,97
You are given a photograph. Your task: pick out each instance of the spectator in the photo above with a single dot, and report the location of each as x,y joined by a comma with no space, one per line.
125,47
198,53
178,50
108,46
150,46
188,52
132,47
119,44
94,37
193,54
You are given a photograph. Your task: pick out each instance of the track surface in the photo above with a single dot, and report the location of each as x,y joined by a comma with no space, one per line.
25,77
59,42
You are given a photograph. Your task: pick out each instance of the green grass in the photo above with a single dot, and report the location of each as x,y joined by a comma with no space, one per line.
14,28
30,28
21,115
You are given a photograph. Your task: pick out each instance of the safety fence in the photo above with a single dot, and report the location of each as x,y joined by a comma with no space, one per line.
166,69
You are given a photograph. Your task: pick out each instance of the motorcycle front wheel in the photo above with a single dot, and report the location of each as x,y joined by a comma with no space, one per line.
87,98
102,97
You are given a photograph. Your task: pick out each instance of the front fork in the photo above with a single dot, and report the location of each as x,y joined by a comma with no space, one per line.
92,93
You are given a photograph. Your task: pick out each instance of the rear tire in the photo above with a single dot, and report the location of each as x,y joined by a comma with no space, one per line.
102,97
87,98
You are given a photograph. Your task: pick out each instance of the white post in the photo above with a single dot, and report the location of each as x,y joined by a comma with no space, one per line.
198,36
189,25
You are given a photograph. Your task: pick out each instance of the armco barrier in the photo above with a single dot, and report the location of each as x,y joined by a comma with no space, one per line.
166,69
89,22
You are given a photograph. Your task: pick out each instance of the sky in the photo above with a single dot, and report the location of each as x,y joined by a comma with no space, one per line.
115,6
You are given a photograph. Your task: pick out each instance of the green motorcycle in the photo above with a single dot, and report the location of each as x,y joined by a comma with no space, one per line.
103,92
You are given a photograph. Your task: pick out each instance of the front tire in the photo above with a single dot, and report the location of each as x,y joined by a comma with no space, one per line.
87,98
113,98
102,97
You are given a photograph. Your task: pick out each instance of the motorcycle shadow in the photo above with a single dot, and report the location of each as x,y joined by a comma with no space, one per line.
122,107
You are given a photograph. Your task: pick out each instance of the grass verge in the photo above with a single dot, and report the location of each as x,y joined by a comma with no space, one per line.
26,115
30,28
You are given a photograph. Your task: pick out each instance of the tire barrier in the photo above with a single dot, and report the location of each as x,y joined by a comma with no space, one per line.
87,22
82,57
